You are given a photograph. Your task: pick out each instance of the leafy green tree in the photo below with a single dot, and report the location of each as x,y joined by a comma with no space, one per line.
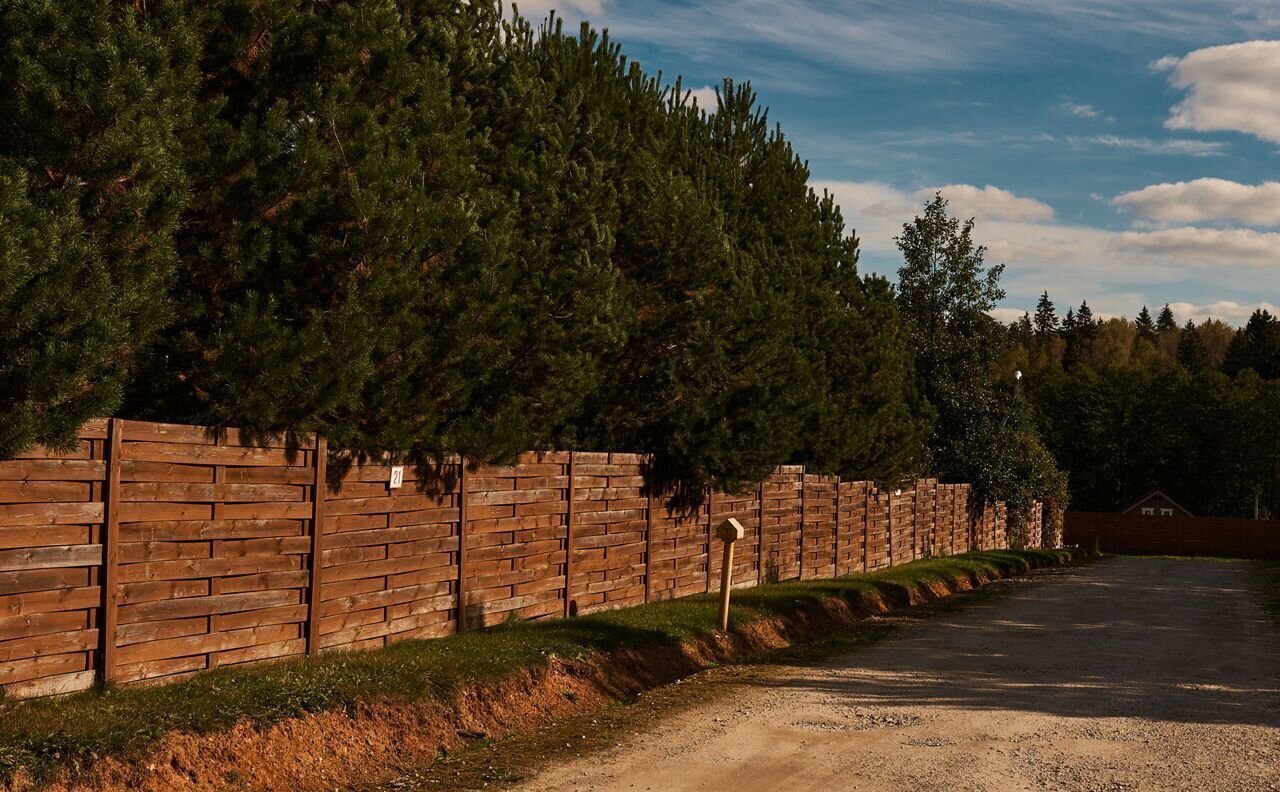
985,434
91,188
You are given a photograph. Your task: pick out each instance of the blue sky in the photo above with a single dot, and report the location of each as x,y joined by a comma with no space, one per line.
1119,152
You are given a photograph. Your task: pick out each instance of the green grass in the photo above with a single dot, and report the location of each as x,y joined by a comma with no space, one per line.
43,735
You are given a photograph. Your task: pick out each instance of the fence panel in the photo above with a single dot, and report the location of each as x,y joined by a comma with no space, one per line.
51,526
783,507
389,567
819,527
679,550
610,521
213,549
516,569
153,551
745,508
1134,533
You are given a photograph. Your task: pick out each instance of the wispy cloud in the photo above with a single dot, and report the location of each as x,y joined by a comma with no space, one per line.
878,36
1145,145
1084,111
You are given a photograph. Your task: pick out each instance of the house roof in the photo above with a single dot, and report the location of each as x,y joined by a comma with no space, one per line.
1162,494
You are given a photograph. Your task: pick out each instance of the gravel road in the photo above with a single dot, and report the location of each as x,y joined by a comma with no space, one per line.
1127,674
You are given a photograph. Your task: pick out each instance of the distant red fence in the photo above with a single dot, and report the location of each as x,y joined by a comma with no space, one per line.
1205,536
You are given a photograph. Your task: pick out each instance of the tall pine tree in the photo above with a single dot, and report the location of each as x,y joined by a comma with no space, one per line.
91,187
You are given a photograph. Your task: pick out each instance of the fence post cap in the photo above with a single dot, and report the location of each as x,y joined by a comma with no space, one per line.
731,530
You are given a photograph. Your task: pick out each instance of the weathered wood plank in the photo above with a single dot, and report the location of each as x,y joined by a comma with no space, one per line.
50,557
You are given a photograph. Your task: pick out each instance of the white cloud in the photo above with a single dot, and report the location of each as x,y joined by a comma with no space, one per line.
705,97
1205,199
883,204
1199,247
1006,315
1224,310
1143,145
988,202
1234,87
1075,261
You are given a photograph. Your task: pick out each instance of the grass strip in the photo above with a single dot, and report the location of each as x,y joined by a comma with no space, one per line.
43,735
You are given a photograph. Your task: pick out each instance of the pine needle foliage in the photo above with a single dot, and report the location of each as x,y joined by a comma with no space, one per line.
426,227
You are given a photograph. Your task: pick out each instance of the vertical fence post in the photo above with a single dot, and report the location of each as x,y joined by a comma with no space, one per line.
760,534
803,475
915,521
866,527
320,467
462,544
835,541
889,529
111,553
648,543
568,540
710,535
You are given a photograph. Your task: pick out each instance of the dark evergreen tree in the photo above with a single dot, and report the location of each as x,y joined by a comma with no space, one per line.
1191,351
1166,323
1046,319
91,187
1145,325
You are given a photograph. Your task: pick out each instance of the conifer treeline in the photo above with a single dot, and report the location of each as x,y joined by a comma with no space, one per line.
421,229
1133,405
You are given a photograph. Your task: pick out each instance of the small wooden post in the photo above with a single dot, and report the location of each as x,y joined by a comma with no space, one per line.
320,468
648,544
888,533
835,564
760,535
568,542
866,527
729,532
462,544
803,476
710,536
111,552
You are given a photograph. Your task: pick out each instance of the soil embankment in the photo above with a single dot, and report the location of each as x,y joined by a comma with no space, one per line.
373,742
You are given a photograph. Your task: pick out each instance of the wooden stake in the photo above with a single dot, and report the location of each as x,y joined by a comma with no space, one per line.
320,467
568,543
462,544
111,553
730,532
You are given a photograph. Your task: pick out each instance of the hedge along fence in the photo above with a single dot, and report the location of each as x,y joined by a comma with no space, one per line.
155,551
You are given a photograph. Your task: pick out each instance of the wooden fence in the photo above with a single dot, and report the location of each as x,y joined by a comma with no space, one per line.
154,551
1232,537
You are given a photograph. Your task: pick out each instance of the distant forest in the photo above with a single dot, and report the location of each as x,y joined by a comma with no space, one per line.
1129,405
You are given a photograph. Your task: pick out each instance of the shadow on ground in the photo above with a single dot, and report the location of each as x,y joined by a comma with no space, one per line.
1165,639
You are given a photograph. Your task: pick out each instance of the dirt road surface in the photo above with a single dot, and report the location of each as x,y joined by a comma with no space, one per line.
1127,674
